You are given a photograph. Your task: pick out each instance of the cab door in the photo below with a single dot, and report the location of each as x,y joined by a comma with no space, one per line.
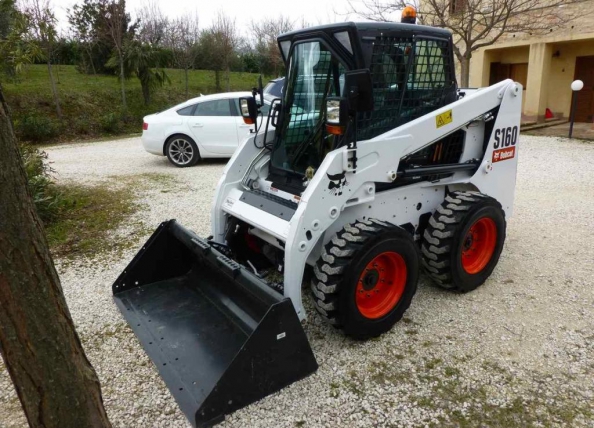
213,126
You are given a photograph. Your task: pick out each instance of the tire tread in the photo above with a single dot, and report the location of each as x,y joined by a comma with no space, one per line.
335,257
440,233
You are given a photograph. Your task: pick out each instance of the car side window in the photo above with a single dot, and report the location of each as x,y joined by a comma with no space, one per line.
213,108
186,111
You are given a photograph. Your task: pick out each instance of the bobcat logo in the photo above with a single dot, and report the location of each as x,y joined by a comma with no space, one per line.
337,182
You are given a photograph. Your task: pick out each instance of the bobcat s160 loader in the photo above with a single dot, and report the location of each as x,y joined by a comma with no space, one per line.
377,166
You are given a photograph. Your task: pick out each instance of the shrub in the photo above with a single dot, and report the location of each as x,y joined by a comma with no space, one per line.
110,123
47,199
36,128
83,126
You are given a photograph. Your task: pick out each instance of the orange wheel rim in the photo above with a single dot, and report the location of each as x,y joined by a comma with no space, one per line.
380,285
478,245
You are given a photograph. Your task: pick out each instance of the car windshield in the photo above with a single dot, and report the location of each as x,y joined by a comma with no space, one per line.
302,141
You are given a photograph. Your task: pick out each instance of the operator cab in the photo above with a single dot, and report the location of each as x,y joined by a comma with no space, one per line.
383,74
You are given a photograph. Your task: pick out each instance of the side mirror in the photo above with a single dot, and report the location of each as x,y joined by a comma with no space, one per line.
276,108
337,115
249,110
359,90
260,90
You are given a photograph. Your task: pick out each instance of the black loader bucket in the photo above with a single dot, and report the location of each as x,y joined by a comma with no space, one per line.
219,336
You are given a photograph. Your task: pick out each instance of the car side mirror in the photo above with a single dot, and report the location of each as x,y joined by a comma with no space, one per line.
337,115
359,90
249,110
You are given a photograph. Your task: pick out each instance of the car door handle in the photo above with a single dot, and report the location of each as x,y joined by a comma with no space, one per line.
197,125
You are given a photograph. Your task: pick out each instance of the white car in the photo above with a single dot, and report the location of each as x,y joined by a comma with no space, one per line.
209,126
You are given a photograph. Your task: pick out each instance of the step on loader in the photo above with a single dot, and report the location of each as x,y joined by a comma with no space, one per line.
372,166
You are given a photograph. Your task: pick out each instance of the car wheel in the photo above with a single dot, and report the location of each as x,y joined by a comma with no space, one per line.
182,151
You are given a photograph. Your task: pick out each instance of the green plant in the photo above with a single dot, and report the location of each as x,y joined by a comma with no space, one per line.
16,50
84,125
47,200
86,218
110,123
87,98
145,62
35,128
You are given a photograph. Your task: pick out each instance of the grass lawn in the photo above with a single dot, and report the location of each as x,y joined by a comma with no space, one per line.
92,105
87,217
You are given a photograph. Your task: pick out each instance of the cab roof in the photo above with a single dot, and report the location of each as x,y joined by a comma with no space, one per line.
364,28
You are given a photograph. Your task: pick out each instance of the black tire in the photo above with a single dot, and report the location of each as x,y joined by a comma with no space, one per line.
447,237
339,272
182,151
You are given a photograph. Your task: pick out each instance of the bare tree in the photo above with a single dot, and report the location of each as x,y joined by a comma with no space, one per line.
55,382
266,31
153,24
82,19
476,24
43,30
182,38
226,39
116,22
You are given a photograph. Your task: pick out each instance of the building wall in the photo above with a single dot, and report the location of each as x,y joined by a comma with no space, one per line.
562,72
581,22
551,61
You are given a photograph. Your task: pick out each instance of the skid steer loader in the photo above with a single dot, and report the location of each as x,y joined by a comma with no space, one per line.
377,166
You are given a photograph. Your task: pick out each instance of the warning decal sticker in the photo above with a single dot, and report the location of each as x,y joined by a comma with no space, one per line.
443,119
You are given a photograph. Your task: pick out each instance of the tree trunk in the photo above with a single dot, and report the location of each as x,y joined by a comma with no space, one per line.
54,89
123,85
146,93
56,384
90,53
464,71
217,80
186,73
227,75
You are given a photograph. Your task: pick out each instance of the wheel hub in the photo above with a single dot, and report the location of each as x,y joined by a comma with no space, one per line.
381,285
370,279
181,151
468,241
478,245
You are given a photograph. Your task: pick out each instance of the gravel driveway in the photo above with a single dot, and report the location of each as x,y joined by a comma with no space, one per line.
519,351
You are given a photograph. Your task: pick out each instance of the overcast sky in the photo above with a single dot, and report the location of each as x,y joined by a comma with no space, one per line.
244,11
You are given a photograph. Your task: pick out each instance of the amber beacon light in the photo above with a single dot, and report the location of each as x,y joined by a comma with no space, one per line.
409,15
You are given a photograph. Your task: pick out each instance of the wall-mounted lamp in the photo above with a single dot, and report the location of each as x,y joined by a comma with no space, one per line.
556,54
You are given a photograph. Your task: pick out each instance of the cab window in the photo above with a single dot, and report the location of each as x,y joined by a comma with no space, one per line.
428,68
411,77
